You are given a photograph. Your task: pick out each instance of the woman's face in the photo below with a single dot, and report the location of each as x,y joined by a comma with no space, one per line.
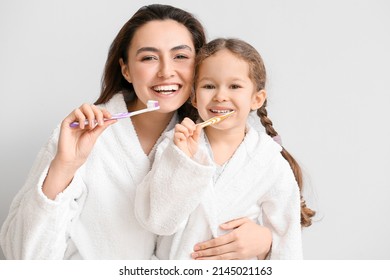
161,63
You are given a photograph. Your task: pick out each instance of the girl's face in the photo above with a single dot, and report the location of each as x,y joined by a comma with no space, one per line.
224,85
160,64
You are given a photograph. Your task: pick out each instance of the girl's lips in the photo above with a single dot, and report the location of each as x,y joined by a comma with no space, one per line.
220,110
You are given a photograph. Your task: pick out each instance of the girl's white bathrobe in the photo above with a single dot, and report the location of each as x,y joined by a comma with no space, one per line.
185,200
94,216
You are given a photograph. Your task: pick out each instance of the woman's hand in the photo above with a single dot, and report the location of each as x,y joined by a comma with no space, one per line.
76,143
74,146
186,136
246,240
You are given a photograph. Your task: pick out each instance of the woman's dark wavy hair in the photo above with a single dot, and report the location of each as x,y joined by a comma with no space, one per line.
113,81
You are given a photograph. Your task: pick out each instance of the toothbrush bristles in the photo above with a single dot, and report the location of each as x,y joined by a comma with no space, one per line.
216,119
152,104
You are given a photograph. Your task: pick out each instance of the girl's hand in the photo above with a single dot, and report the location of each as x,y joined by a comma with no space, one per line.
247,240
186,136
74,146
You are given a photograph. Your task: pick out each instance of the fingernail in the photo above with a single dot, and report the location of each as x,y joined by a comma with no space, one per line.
196,248
194,255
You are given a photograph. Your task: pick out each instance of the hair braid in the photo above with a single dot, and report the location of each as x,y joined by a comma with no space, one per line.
306,213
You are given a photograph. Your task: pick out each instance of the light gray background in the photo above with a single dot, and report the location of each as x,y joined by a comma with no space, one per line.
328,64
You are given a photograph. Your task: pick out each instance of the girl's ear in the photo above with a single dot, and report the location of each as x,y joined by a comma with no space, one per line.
125,70
193,99
258,99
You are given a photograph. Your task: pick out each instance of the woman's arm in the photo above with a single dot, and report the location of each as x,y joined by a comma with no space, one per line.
36,226
247,240
40,215
74,146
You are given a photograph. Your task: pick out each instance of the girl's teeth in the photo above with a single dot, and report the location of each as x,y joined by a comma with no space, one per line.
220,111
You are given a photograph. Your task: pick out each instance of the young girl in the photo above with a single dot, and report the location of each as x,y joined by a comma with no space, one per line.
201,178
77,202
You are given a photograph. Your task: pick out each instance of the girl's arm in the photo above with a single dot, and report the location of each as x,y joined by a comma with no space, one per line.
172,189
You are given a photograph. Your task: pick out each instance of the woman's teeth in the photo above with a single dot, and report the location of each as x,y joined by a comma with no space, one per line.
166,89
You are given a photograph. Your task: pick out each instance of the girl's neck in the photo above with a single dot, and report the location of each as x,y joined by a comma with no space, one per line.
149,126
224,142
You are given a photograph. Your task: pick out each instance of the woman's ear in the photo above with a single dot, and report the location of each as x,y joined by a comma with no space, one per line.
258,99
125,70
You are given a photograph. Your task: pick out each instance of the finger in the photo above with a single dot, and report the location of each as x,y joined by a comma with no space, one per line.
179,128
98,130
89,114
227,256
215,251
189,124
79,116
106,113
215,242
178,137
235,223
197,132
98,114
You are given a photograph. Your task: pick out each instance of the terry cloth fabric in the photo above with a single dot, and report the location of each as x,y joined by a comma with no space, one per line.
182,202
94,216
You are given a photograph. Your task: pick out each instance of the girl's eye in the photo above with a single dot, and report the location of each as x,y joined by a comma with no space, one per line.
235,86
208,86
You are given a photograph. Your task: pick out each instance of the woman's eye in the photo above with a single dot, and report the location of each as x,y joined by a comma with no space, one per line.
181,56
235,86
147,58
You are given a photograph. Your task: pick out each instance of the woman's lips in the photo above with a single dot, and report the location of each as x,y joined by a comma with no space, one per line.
166,90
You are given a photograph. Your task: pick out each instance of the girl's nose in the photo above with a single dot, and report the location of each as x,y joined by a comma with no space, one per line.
220,95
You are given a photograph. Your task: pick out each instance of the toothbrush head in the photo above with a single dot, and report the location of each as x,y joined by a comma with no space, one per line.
152,104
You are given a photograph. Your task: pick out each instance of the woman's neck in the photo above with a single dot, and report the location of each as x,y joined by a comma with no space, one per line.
224,142
149,127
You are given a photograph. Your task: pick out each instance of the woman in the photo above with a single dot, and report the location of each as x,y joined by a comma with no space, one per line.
77,202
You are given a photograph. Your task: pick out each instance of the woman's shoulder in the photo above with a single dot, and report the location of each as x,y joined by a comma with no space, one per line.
116,104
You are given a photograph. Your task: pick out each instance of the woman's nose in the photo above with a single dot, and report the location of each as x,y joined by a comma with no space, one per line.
166,70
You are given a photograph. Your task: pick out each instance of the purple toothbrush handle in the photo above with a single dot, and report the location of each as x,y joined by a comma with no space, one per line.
113,117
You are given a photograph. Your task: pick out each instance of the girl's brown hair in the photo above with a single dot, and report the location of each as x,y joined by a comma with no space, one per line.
257,74
112,80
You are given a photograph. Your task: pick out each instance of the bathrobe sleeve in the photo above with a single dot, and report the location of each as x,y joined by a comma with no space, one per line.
281,213
37,227
173,188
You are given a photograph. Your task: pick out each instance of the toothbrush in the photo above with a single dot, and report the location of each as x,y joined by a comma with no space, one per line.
151,105
215,119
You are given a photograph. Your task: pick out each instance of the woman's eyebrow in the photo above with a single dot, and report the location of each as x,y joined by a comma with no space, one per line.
152,49
147,49
181,47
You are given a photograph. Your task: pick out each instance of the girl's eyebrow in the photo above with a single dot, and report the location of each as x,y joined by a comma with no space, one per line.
152,49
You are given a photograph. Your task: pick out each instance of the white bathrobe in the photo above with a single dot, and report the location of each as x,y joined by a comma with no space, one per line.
185,200
94,216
